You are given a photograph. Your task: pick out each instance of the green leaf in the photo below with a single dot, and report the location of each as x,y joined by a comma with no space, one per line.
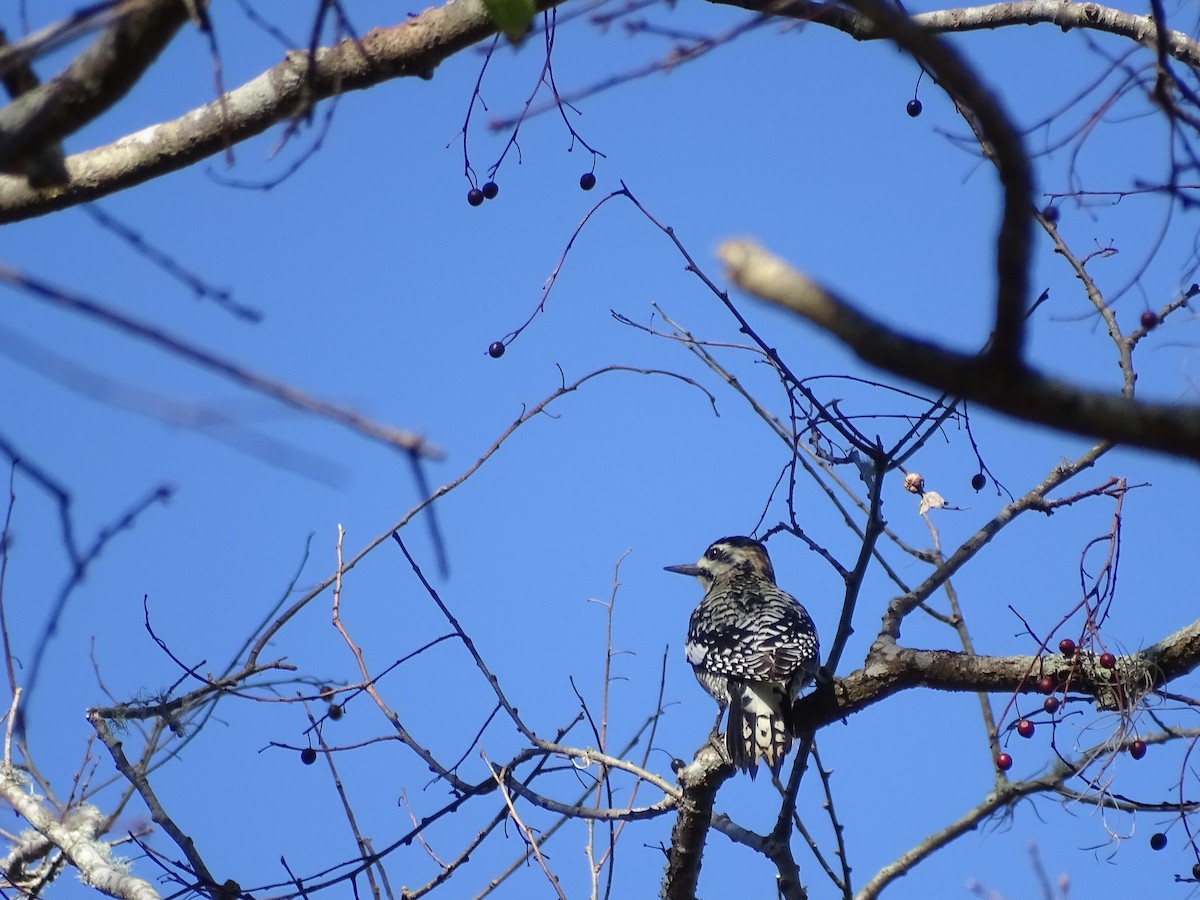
513,17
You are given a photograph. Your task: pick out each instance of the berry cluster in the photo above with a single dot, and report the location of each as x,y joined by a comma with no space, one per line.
1049,686
476,196
490,190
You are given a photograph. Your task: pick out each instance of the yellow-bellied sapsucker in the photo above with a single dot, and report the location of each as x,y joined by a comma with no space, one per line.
752,646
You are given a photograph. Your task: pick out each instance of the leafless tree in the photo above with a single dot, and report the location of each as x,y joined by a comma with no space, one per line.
850,438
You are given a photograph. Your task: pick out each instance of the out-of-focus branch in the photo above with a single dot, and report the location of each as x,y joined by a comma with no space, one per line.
95,80
42,165
1015,390
415,47
281,391
1003,144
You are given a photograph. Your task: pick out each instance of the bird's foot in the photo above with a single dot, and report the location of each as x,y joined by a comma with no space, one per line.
716,740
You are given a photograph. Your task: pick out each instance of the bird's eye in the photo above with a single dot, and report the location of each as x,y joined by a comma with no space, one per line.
712,553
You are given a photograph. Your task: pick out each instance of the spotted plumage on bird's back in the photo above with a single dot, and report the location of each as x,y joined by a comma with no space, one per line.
752,646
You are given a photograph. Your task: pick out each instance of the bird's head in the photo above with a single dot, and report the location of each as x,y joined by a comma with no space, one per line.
727,557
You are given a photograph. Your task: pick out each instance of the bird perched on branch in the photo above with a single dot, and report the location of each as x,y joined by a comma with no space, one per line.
752,646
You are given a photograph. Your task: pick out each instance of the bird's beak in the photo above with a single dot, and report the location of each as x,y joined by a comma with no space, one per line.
689,569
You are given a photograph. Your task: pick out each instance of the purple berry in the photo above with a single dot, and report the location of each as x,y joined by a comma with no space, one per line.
475,196
496,350
490,190
914,107
587,181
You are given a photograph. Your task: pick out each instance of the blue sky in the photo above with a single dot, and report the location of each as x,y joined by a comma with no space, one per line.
381,289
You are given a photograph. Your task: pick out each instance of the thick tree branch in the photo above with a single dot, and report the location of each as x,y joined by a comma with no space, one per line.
894,669
1065,15
415,47
77,836
700,782
95,80
76,833
1017,391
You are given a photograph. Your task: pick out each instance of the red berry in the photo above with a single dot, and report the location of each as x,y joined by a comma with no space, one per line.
1149,319
914,107
1066,647
978,481
1108,660
1025,728
496,350
1158,840
1137,749
1050,214
475,196
308,756
490,190
1003,762
1051,705
587,181
1046,684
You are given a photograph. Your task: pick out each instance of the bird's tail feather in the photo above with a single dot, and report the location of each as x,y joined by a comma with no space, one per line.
758,728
